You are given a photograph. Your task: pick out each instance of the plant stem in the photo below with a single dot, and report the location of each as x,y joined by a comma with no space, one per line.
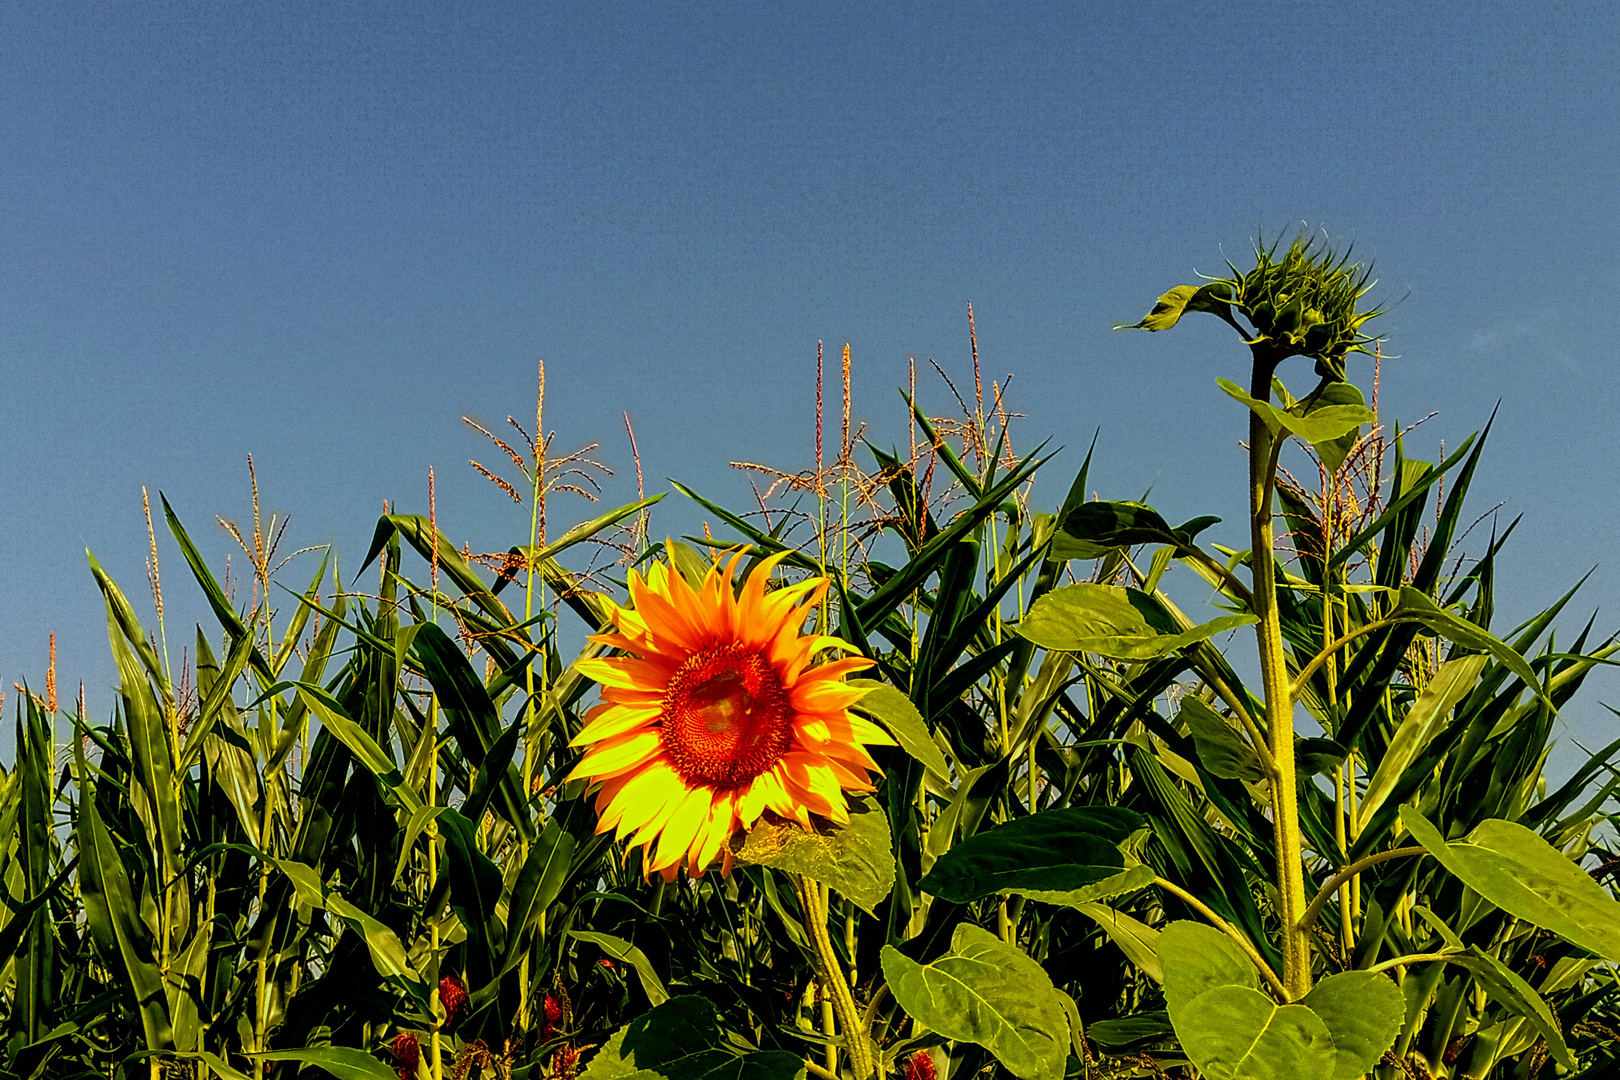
836,987
1344,876
1230,931
1264,446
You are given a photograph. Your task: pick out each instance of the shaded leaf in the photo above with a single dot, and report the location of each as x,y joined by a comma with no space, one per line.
855,859
623,951
1222,749
1053,851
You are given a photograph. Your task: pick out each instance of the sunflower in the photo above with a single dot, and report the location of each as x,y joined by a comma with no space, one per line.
717,714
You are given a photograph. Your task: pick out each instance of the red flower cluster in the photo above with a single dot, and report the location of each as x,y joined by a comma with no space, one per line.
453,996
407,1052
920,1066
554,1017
565,1063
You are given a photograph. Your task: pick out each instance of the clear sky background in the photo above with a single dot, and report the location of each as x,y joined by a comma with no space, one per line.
321,232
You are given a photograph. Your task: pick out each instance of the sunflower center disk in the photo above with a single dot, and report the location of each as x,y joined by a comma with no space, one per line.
726,717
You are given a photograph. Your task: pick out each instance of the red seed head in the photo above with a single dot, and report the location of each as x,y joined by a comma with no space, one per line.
554,1018
920,1066
565,1063
406,1050
453,996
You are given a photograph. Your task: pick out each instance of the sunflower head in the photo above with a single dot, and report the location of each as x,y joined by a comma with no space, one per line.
716,709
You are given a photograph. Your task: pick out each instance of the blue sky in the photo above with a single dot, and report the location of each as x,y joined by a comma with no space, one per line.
320,233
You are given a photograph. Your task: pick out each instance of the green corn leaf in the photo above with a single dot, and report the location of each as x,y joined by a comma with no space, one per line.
539,882
1052,852
1522,874
986,992
1504,986
1424,720
361,745
1416,606
112,911
856,859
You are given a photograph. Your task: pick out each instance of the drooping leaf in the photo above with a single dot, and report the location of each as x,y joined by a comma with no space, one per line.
1527,877
624,952
1323,424
1222,749
343,1062
1333,452
1054,851
895,713
1508,989
986,992
1237,1033
1137,940
1113,622
1089,530
1214,298
1414,604
1363,1011
856,859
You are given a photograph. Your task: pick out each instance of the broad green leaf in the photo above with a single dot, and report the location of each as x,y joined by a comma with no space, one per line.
343,1062
1321,424
1113,622
895,713
1415,605
1334,451
1363,1011
1054,851
1504,986
760,1065
1222,749
1214,298
986,992
856,859
1196,958
678,1040
1089,530
1424,720
627,953
1527,877
1137,940
1236,1033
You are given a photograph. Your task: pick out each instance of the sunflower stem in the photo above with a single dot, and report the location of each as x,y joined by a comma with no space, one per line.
814,908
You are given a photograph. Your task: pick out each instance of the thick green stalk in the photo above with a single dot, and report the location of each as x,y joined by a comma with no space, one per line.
1263,447
814,909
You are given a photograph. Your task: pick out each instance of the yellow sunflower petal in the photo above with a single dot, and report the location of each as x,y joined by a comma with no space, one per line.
614,756
604,722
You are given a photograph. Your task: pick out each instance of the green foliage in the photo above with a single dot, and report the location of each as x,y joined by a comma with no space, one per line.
1080,860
